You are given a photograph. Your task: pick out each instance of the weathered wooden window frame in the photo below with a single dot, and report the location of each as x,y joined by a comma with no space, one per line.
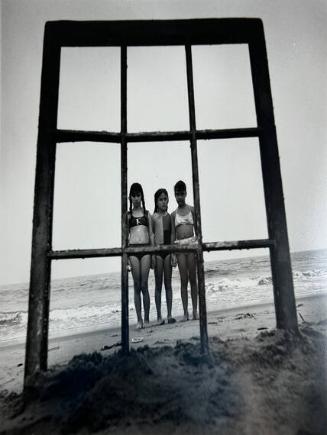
152,33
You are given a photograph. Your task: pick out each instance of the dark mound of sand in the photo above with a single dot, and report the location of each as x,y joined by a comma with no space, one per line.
275,383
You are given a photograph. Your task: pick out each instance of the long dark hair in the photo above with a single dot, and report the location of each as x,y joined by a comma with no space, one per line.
136,188
156,196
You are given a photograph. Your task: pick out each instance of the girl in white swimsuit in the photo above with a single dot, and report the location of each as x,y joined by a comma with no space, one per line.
183,233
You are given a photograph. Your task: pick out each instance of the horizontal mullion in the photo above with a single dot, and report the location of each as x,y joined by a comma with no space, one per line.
83,136
85,253
239,244
163,248
190,247
158,136
114,252
154,136
230,133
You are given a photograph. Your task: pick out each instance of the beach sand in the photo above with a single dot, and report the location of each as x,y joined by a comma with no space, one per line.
256,380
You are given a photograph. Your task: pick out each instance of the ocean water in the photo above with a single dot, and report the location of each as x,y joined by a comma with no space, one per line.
89,303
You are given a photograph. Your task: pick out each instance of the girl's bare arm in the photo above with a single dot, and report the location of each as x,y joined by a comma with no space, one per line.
194,226
126,223
173,231
173,238
151,234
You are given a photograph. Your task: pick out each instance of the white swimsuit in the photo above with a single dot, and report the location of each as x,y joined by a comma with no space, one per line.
183,220
187,241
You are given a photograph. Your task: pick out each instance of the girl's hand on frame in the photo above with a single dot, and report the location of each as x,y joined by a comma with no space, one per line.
173,260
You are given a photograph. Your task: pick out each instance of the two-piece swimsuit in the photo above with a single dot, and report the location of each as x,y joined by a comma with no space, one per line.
134,222
184,220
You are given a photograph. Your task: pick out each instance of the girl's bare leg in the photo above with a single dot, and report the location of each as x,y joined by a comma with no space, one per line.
145,268
182,266
191,264
167,280
158,272
135,266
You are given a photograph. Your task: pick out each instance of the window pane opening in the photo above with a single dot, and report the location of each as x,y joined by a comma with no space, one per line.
160,165
85,300
223,87
89,89
231,190
87,201
157,89
239,292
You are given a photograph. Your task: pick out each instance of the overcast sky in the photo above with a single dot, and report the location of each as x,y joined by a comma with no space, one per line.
87,188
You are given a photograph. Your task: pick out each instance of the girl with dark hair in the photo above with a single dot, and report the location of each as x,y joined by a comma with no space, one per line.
161,224
182,220
140,234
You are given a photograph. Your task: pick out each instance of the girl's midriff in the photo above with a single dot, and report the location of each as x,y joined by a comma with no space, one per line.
184,231
139,235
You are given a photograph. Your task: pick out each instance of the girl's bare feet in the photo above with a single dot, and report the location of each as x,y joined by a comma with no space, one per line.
139,325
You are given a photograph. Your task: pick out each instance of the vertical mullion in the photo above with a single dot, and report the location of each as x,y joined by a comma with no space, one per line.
285,306
196,193
124,259
39,292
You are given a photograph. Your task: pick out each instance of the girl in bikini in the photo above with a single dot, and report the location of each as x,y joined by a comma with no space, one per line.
183,232
140,234
161,224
